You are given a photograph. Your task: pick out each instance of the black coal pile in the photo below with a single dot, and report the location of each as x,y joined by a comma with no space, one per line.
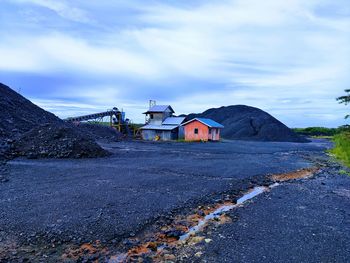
3,172
19,115
56,141
99,132
28,130
3,148
248,123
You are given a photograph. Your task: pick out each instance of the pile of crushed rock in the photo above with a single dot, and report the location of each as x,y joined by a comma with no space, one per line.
248,123
56,141
27,130
19,115
99,132
3,172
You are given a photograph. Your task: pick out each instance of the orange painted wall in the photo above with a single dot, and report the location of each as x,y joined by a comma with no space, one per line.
203,131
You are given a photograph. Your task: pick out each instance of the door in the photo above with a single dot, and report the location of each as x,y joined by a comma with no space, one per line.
213,134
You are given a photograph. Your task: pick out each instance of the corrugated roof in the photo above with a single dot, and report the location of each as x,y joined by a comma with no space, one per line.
159,108
159,127
173,121
209,122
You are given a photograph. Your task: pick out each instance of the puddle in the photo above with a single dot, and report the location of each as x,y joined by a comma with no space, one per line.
225,208
256,191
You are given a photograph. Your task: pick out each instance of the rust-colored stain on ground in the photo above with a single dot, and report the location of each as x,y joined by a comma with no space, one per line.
195,218
83,250
163,238
139,251
303,173
225,219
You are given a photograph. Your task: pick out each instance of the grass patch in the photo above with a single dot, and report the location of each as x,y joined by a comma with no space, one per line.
344,172
342,147
323,137
319,132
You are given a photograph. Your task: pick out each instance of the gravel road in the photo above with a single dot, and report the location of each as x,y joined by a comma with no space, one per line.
300,221
110,199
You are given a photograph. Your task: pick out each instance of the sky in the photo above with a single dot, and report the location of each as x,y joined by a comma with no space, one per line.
290,58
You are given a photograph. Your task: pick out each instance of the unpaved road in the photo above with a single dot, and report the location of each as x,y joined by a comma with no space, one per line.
305,220
71,202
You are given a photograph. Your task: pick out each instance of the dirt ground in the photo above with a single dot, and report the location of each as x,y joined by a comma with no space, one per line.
96,209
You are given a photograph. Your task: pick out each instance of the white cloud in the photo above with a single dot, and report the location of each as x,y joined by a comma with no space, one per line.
62,8
58,52
261,53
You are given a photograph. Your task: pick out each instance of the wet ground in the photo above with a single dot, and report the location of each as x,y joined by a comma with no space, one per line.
299,221
48,206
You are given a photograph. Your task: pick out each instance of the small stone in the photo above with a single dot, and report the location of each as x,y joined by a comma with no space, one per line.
208,240
198,254
169,257
195,240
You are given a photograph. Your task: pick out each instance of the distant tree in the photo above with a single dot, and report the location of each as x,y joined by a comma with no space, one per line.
345,99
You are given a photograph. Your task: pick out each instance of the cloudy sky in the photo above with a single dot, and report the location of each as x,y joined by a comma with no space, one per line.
290,58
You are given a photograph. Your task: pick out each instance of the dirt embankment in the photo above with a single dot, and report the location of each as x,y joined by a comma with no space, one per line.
248,123
27,130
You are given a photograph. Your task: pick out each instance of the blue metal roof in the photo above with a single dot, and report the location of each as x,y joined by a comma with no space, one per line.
209,122
173,121
159,108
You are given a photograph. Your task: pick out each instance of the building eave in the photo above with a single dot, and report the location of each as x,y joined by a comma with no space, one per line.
219,126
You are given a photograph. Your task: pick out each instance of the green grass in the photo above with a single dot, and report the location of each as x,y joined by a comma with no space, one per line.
319,131
344,172
323,137
342,147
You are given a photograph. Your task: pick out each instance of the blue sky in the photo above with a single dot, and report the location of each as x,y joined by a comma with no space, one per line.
290,58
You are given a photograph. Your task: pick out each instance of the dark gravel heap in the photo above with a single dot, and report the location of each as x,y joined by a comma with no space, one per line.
248,123
19,115
99,132
28,130
3,172
56,141
3,148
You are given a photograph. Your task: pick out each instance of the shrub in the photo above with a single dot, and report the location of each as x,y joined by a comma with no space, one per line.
342,147
321,131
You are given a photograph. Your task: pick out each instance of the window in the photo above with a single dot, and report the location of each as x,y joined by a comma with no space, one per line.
151,116
209,131
196,131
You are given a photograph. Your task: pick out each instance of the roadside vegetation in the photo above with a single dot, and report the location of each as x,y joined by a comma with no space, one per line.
342,147
340,136
319,131
341,140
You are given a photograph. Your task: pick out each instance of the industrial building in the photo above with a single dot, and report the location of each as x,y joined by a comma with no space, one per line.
161,125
